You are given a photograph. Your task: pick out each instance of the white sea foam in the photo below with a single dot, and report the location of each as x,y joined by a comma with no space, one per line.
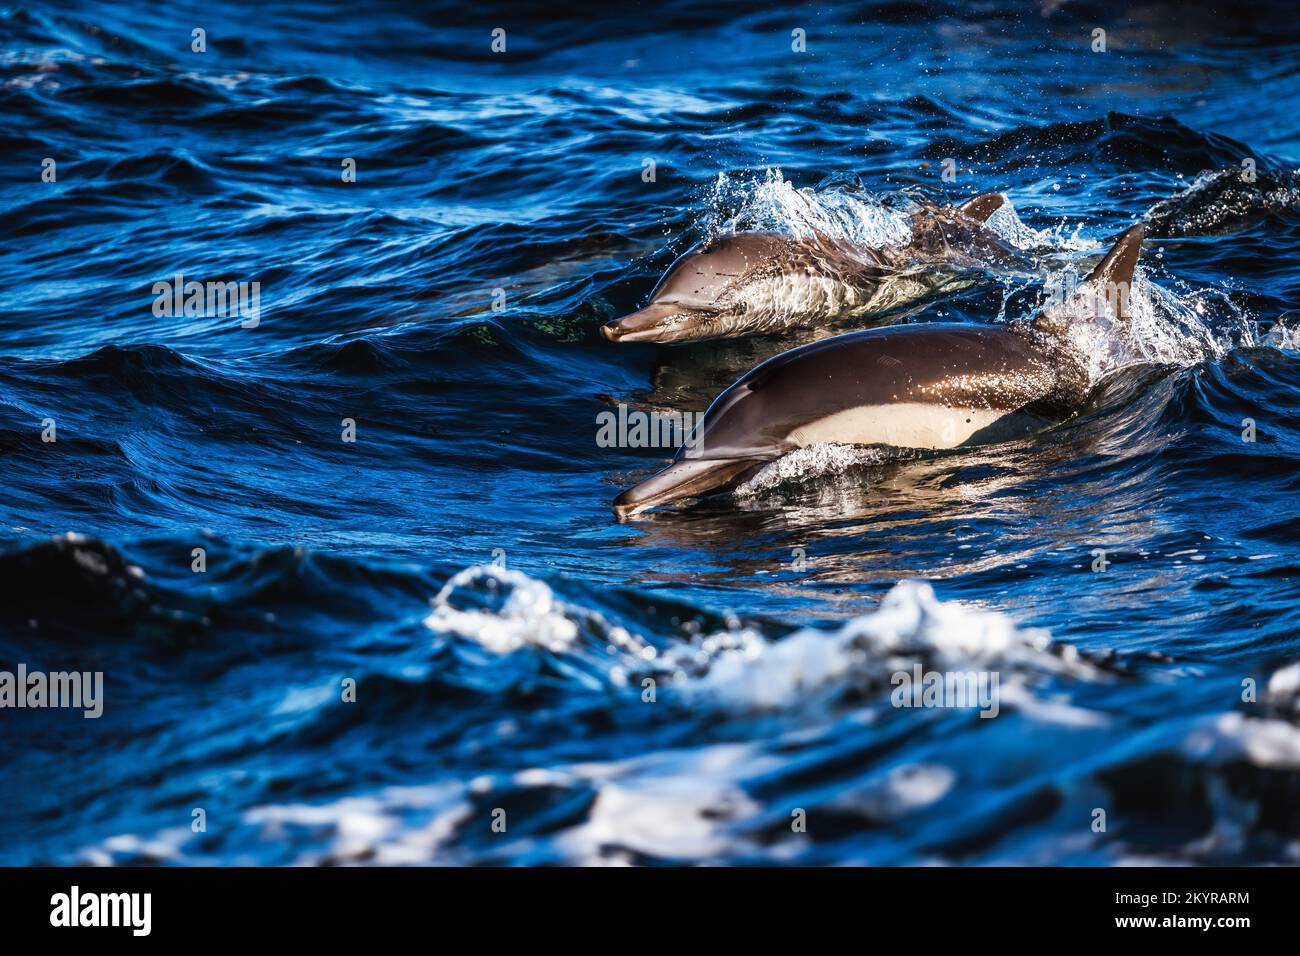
1164,327
740,667
520,612
770,203
1226,738
827,458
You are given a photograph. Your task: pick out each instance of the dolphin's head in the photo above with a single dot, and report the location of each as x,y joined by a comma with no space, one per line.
700,298
685,478
734,439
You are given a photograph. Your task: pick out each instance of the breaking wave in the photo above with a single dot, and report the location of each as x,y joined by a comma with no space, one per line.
731,800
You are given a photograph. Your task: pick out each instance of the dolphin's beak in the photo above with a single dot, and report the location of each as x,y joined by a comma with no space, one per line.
657,322
688,478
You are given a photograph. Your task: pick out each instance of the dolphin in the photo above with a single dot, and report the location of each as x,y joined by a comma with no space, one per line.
761,282
928,386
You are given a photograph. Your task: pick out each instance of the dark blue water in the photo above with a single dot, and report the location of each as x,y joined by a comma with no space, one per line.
459,560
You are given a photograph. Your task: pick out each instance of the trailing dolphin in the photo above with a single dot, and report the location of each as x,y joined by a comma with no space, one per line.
920,386
760,282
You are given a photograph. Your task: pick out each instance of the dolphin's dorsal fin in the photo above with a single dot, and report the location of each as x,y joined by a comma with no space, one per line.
982,206
1113,276
1122,259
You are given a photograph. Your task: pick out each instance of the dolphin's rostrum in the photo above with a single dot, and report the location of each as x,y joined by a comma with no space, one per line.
920,386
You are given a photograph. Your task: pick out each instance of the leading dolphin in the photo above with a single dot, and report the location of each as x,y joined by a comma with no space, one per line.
760,282
921,386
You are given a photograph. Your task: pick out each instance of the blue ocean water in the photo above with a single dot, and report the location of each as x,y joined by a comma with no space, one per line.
456,568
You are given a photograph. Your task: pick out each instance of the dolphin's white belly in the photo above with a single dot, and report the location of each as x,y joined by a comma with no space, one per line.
903,424
791,298
794,296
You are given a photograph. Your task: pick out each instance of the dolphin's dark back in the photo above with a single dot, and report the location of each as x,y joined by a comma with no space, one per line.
947,365
696,277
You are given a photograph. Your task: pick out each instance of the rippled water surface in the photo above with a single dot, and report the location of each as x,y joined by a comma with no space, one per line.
459,561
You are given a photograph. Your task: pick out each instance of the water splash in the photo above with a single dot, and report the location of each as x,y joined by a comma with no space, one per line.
770,203
1164,326
1062,237
845,209
821,460
1222,200
1285,333
515,612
